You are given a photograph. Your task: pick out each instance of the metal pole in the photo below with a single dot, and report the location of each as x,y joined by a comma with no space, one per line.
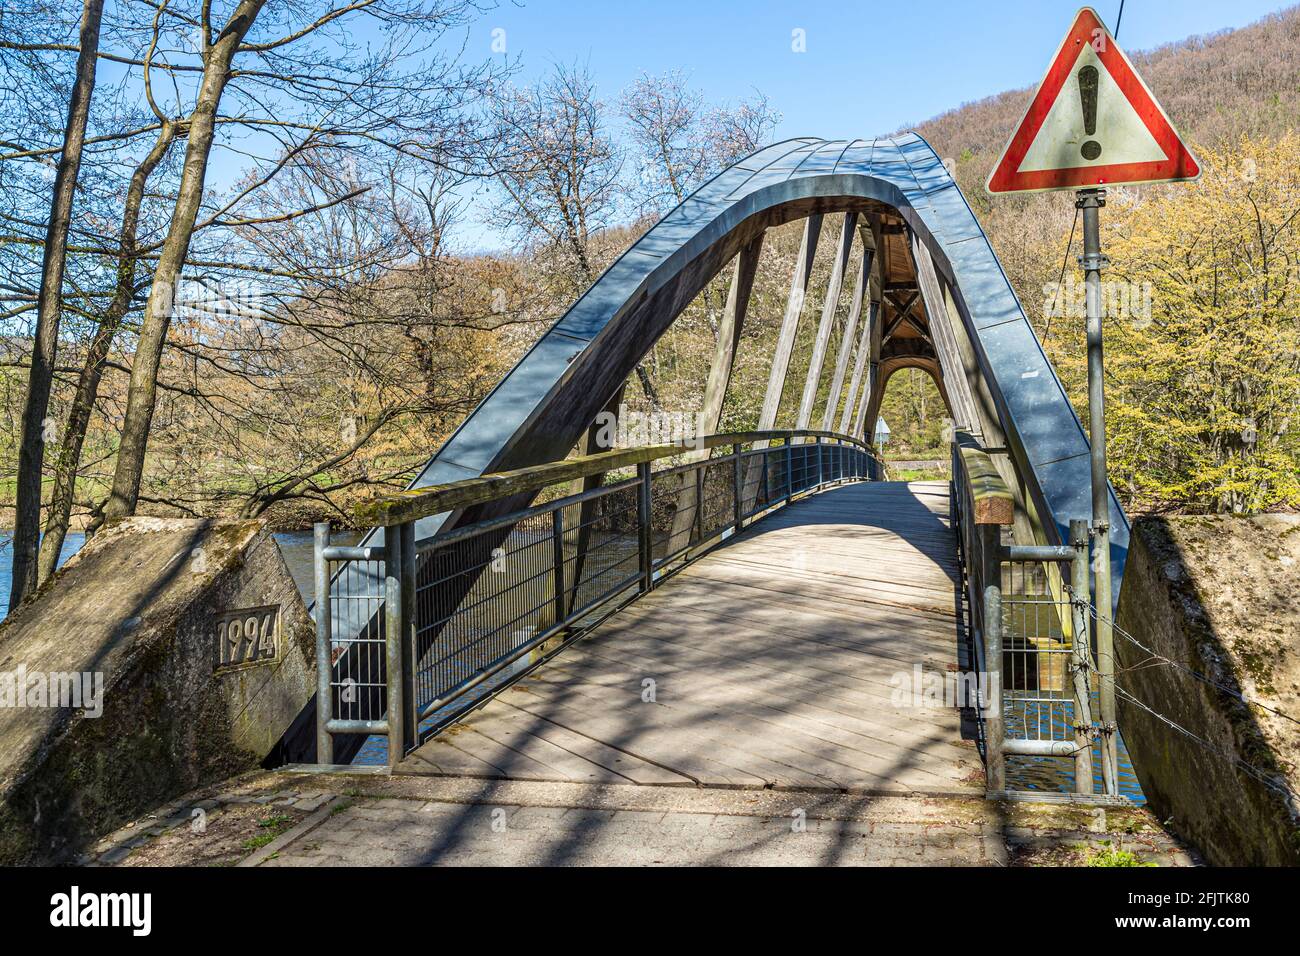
324,666
818,442
1092,261
991,556
789,469
1081,657
408,650
699,503
738,506
643,525
393,627
557,557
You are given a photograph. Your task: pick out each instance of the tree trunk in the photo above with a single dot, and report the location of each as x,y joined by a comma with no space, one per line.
83,402
31,449
142,393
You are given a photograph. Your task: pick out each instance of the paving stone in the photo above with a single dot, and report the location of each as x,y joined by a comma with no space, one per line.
312,803
116,855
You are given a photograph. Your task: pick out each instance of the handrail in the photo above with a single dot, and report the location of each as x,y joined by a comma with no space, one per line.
438,632
1000,625
403,506
992,499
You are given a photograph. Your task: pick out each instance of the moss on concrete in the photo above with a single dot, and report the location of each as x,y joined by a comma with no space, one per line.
133,606
1220,595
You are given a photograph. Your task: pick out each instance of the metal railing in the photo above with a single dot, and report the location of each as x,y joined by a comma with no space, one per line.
418,632
1030,633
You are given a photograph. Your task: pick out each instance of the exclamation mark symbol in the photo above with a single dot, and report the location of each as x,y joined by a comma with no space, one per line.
1088,79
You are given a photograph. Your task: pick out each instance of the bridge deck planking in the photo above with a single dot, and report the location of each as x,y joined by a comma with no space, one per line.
774,660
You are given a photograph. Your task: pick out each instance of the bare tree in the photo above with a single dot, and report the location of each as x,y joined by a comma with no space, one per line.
680,143
68,459
31,453
558,167
733,132
344,94
218,54
663,117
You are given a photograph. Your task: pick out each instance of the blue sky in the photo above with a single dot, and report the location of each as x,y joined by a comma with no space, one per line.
871,67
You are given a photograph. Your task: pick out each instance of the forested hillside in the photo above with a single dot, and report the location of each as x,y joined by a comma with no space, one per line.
1204,377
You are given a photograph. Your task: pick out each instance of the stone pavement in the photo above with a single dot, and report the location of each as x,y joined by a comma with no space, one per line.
349,819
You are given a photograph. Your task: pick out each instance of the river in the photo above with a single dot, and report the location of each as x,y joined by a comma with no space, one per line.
296,546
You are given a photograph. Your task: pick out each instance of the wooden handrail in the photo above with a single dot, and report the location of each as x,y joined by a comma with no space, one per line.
992,498
403,506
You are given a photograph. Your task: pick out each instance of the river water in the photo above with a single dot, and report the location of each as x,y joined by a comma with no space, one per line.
296,546
1023,773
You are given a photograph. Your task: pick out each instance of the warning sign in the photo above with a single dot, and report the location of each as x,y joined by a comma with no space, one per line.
1093,122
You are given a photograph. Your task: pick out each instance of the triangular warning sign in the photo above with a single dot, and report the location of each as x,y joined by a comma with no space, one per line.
1093,122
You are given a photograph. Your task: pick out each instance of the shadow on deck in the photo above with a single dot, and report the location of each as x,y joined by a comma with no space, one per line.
775,662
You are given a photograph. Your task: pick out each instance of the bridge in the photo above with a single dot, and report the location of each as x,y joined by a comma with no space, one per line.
758,610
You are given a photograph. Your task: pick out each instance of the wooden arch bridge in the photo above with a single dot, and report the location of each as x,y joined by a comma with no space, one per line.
763,609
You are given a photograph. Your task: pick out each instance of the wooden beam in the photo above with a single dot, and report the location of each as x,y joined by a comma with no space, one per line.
994,503
790,324
902,304
729,331
402,506
849,339
715,389
864,423
943,337
859,366
827,323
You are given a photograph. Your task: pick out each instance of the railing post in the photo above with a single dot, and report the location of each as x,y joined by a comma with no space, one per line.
557,557
820,470
952,484
1081,657
738,505
324,666
643,525
1103,608
789,469
699,502
990,536
394,632
408,649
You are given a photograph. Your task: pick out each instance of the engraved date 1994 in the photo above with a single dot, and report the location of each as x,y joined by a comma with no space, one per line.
249,636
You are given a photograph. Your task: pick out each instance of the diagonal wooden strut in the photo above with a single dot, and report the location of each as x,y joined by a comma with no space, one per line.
827,323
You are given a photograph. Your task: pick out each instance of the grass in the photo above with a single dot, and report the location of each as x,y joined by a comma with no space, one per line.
916,474
1107,855
272,826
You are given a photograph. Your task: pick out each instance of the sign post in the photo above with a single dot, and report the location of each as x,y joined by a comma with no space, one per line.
1090,202
1094,123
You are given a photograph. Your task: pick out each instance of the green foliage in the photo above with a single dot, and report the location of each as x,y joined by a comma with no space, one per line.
916,415
1204,390
1107,855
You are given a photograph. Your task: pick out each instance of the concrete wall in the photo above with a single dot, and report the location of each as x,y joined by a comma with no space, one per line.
1222,595
206,654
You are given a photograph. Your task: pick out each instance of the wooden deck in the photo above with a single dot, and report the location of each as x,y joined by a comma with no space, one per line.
772,662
